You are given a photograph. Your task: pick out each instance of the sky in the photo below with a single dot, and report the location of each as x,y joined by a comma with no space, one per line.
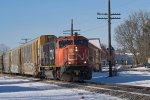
21,19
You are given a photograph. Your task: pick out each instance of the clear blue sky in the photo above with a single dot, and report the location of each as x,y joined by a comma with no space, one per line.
31,18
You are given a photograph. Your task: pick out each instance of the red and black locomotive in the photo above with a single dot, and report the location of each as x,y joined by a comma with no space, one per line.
72,56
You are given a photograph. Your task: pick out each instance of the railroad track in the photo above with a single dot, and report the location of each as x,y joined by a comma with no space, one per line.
122,91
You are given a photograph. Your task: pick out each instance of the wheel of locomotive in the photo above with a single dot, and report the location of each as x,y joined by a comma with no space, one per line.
55,73
66,77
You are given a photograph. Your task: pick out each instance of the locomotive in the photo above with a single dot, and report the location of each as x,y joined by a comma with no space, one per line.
63,58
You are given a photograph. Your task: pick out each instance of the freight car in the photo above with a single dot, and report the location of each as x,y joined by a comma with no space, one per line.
64,58
33,55
1,60
15,61
94,57
6,62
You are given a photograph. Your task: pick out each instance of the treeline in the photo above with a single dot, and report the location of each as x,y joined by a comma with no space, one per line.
3,48
133,35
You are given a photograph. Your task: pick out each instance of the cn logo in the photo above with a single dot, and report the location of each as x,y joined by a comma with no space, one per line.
77,56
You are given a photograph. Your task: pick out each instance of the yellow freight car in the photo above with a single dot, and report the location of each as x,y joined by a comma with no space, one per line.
1,64
15,64
29,58
34,54
7,62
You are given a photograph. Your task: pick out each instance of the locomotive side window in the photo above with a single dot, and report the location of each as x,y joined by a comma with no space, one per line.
81,42
65,43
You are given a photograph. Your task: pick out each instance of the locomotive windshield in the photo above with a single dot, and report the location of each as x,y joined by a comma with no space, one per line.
70,42
65,43
81,42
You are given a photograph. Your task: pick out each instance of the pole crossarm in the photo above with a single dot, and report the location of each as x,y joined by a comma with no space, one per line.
107,18
107,13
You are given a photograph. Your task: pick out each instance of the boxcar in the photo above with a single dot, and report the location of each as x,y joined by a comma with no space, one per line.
1,64
94,57
15,61
7,62
28,64
36,54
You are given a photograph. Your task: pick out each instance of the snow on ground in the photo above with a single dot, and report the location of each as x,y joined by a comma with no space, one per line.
17,88
142,68
137,78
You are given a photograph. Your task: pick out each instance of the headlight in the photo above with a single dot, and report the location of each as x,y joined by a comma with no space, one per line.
69,62
84,62
76,49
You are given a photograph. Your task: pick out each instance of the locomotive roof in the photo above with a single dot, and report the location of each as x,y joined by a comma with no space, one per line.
71,37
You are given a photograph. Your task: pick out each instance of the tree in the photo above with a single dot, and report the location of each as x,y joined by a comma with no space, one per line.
145,42
3,48
133,35
121,50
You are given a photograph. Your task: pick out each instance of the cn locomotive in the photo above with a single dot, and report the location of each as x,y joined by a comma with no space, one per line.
63,58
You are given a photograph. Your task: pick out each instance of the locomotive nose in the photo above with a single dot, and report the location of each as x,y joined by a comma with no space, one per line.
77,55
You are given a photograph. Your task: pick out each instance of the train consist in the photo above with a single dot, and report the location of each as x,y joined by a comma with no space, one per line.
64,58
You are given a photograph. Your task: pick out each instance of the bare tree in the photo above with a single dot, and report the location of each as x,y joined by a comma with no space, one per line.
3,48
130,35
121,50
145,42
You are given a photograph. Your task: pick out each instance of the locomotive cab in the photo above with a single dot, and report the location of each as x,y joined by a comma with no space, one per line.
72,51
72,57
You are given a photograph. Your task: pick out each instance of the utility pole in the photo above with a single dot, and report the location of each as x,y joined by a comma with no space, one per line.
71,30
109,14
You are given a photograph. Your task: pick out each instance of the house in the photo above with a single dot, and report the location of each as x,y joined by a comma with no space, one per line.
124,59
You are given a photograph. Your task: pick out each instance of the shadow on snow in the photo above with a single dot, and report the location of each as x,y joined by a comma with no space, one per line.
121,78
